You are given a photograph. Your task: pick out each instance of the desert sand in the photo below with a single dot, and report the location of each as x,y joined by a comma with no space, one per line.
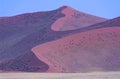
93,75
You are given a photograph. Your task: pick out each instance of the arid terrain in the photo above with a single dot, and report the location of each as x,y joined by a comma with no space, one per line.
94,75
61,41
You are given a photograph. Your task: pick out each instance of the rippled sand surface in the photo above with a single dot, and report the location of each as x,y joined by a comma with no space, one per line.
95,75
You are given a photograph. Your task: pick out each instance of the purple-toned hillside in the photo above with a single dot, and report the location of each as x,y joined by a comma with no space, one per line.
20,34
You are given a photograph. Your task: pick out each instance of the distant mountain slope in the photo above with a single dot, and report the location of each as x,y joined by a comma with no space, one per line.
74,19
94,50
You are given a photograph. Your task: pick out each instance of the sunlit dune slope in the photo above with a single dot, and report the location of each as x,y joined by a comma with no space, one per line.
95,50
74,19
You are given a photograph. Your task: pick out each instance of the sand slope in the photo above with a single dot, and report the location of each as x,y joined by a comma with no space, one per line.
74,19
95,50
20,33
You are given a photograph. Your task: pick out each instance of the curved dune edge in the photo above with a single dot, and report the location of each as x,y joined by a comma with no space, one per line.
44,51
68,12
74,19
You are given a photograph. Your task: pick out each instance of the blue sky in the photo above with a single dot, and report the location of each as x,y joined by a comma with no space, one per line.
102,8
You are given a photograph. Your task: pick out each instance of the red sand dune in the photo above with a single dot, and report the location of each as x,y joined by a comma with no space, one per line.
95,50
19,34
74,19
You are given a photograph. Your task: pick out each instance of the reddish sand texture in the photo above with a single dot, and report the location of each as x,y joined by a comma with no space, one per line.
74,19
95,50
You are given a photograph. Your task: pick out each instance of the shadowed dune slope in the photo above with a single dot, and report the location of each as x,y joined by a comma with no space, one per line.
27,63
94,50
18,34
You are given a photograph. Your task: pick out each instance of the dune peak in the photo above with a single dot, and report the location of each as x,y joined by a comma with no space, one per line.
74,19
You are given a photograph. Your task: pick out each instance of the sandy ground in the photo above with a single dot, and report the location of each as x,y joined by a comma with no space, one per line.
94,75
